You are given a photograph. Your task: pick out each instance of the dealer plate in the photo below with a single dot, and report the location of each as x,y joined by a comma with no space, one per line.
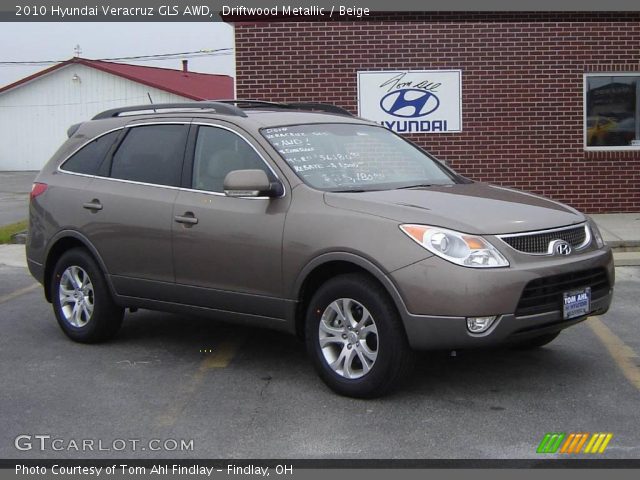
577,303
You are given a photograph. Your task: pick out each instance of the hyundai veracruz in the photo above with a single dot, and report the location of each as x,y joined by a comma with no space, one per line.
301,218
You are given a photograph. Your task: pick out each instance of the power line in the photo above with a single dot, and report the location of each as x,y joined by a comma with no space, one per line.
137,58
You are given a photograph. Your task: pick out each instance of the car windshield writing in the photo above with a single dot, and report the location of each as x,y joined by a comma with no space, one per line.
354,157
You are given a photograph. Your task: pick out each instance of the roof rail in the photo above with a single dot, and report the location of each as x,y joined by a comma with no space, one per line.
322,107
309,106
251,103
218,107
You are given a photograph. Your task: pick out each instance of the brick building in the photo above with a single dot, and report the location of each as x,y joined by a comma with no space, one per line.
549,100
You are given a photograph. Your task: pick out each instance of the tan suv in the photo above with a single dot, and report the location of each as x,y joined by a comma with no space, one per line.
302,218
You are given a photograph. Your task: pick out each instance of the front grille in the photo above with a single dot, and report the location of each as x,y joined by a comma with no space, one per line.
545,294
538,243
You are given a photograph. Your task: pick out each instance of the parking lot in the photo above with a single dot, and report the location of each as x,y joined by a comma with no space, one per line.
240,393
14,194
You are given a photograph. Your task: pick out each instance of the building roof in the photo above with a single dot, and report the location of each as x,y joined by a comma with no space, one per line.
196,86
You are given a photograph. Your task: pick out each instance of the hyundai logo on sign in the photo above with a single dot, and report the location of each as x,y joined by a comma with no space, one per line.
412,101
409,103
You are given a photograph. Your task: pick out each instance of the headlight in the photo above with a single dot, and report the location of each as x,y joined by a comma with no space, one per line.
459,248
595,232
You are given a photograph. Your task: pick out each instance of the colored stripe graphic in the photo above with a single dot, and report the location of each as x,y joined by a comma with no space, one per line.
598,442
574,442
550,443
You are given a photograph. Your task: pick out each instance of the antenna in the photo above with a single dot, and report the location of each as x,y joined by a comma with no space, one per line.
77,50
151,101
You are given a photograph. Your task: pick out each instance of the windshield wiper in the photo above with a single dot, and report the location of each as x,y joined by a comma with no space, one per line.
355,190
418,185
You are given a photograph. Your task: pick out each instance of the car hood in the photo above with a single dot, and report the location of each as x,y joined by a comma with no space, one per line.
472,208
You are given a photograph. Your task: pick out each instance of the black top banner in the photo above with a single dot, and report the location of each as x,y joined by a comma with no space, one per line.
260,10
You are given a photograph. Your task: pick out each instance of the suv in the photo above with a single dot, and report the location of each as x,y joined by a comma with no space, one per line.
302,218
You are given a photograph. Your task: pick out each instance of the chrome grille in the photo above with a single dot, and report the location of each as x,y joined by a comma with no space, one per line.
537,243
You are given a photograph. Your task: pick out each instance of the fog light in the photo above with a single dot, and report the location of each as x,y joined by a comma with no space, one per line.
480,324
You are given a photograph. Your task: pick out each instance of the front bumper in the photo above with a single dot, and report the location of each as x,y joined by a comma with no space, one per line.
438,296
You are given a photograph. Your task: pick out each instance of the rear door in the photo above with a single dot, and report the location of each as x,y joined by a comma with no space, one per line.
132,207
229,256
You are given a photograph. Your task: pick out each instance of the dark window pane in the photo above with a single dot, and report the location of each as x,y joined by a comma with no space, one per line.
219,152
88,159
611,110
151,154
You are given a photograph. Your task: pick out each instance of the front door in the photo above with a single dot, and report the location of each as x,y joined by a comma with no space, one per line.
228,251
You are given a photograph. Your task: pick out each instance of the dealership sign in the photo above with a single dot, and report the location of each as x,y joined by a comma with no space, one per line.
412,101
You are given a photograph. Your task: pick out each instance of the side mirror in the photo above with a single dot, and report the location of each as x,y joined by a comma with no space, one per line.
251,183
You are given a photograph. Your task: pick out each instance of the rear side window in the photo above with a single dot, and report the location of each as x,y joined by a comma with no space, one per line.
88,158
151,154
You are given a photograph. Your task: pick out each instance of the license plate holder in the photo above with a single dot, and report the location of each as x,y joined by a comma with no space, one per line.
576,303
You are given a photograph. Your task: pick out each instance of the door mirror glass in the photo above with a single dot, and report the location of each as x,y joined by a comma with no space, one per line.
251,183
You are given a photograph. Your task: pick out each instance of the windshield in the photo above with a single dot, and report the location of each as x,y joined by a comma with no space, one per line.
351,157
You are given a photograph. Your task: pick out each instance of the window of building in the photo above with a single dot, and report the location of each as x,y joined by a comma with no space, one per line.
151,154
88,158
612,111
218,152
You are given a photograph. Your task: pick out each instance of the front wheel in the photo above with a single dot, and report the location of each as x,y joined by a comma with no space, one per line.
355,337
81,299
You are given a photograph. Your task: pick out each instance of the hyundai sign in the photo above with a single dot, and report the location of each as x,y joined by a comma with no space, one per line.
412,101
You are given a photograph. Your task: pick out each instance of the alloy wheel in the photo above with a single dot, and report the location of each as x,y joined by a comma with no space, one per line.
348,338
76,296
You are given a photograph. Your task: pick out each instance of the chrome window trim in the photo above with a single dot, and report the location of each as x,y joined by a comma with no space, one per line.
68,157
170,187
215,125
583,245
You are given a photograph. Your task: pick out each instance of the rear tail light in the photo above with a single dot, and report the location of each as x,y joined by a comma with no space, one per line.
37,189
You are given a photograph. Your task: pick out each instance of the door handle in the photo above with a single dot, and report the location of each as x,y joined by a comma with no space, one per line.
94,205
187,219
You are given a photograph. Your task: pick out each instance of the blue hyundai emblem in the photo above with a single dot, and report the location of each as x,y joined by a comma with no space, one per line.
409,103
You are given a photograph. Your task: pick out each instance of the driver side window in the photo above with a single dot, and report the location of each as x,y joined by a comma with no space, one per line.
218,152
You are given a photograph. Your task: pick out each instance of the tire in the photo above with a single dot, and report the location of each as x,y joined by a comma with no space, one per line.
371,355
536,342
87,314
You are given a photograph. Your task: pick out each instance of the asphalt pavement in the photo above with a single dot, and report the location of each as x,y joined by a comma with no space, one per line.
242,393
14,195
233,392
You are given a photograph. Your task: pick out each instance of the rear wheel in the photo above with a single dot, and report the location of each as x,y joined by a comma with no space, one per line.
81,299
536,342
355,337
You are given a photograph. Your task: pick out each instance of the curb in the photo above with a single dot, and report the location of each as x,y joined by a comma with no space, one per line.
19,238
626,259
624,245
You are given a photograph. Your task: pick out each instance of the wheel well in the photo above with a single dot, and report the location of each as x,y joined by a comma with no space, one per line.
56,251
317,277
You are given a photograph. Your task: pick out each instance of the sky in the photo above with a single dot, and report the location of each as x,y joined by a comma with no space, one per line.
56,41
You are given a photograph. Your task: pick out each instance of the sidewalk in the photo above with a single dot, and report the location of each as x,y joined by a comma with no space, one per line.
620,230
13,256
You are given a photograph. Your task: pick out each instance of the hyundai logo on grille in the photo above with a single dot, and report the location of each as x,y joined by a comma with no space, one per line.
409,103
560,247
